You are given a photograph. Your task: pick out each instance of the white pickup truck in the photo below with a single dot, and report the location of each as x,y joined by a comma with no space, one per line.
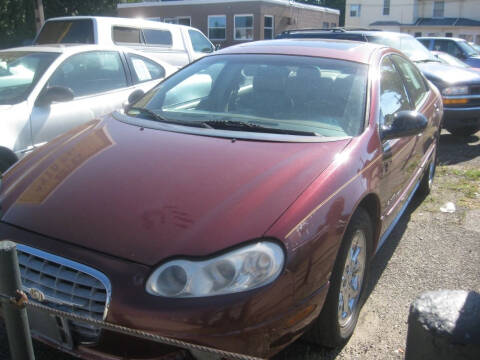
174,44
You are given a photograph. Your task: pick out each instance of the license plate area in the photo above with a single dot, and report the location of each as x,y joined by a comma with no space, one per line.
52,328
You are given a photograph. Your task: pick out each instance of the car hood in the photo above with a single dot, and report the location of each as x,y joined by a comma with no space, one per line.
445,75
145,195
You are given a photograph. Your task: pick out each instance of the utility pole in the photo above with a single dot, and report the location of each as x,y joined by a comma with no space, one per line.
39,17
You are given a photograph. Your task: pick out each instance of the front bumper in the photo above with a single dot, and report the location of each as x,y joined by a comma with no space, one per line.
259,323
457,117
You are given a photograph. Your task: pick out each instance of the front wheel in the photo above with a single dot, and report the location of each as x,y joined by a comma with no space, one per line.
339,315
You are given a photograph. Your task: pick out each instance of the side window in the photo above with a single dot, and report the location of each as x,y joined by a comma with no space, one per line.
90,73
199,42
144,69
125,35
393,97
414,82
157,37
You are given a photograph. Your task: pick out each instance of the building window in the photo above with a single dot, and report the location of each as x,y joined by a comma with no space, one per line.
325,25
438,8
217,25
243,27
355,10
448,34
268,27
180,20
418,34
386,7
333,25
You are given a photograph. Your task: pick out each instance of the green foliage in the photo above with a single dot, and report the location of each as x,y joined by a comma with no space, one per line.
17,22
17,19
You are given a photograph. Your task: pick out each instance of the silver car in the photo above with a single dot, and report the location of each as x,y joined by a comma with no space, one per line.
48,90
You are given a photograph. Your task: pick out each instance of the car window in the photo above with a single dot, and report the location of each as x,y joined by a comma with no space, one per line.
290,93
66,32
19,72
447,46
126,35
90,73
425,42
199,42
393,97
414,82
157,37
145,69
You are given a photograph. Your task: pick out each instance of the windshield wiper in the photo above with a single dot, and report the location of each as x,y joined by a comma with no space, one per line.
248,126
426,61
154,116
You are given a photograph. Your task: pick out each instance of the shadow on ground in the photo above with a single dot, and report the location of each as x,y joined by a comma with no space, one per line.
455,149
302,350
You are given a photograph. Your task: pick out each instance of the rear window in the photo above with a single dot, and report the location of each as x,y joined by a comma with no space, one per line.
125,35
158,37
66,32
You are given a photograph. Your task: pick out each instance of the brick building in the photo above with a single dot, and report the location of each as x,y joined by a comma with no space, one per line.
228,22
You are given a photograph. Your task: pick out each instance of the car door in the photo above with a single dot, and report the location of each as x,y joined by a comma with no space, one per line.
99,84
398,154
421,99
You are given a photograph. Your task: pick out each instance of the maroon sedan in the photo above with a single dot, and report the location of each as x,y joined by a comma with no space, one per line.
236,205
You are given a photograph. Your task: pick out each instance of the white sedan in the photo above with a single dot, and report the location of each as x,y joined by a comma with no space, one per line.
48,90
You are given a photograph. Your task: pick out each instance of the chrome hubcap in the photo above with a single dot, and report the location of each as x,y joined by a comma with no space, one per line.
352,279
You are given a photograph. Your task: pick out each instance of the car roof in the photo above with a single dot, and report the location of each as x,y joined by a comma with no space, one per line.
66,48
121,21
338,49
440,38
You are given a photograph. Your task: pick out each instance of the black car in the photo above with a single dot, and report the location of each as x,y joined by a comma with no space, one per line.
460,87
457,47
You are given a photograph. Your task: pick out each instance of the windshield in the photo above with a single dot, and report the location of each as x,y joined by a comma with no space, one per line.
469,50
406,44
290,94
19,72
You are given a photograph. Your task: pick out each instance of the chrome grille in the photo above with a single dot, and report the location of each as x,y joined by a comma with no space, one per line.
68,286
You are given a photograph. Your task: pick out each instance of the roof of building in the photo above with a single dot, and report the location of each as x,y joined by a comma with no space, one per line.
336,49
446,22
385,23
289,3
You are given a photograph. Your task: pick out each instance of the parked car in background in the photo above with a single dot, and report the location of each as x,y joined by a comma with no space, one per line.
177,45
460,88
47,90
236,215
451,60
457,47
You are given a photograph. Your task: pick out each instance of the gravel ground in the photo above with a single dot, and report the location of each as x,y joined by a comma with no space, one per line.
428,250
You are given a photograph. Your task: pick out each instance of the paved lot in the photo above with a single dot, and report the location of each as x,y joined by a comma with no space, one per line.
428,250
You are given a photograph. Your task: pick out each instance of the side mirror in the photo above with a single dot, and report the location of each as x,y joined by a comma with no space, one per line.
55,94
133,98
404,123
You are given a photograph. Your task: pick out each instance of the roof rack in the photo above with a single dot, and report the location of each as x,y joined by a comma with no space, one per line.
336,29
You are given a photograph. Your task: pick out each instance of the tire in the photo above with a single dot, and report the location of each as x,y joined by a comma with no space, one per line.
7,159
427,180
464,131
334,326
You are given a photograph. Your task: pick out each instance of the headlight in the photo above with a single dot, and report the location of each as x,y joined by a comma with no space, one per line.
455,90
239,270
